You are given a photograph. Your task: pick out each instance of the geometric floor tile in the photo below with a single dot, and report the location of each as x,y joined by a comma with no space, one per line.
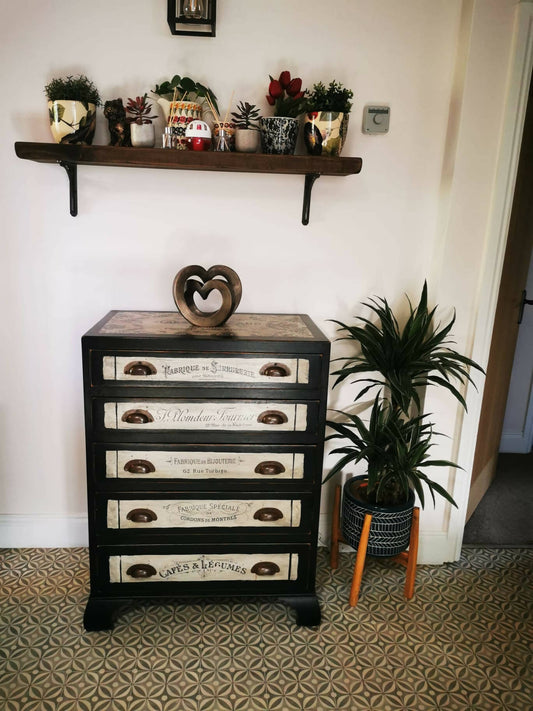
464,642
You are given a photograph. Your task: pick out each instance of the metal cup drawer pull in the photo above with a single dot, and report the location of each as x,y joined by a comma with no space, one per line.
269,514
272,417
269,468
137,417
139,466
265,568
275,370
141,570
141,516
140,367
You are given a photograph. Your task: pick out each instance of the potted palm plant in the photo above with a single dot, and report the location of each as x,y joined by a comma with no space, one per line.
72,103
395,443
326,120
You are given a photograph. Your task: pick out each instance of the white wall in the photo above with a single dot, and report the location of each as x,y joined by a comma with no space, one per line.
381,232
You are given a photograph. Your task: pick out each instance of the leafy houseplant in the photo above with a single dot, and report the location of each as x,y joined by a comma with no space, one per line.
182,88
142,129
396,441
334,98
326,122
247,128
280,132
72,103
246,116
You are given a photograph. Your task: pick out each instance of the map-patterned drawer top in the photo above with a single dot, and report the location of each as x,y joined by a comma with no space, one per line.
221,415
200,513
258,567
139,464
147,368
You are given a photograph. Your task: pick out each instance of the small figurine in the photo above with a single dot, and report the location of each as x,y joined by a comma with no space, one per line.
119,128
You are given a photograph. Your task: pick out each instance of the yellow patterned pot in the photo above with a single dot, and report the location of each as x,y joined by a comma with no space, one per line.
325,132
72,121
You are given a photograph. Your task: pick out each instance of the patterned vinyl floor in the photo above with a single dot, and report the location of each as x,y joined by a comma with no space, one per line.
463,642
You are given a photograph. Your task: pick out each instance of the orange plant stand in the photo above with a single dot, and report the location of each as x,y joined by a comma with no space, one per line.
406,558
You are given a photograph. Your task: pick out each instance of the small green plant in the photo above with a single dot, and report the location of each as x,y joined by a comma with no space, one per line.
186,88
246,116
139,109
335,97
73,88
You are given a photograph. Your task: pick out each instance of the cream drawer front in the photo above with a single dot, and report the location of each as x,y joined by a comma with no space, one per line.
201,513
203,568
185,369
152,464
226,416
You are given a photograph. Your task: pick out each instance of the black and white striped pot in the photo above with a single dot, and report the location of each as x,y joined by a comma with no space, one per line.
391,525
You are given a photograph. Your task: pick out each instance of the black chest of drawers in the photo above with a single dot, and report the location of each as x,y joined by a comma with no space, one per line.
204,459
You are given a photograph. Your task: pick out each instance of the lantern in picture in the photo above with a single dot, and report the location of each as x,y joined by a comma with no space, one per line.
198,136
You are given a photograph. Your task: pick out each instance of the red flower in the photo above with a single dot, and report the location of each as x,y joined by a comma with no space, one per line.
271,100
285,79
298,95
313,114
294,87
275,89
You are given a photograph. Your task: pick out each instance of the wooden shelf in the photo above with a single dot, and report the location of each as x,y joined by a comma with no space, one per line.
70,156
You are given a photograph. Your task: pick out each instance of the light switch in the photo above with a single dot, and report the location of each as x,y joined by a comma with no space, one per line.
376,119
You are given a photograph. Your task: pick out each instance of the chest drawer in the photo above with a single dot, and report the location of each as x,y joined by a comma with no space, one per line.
147,514
206,416
156,368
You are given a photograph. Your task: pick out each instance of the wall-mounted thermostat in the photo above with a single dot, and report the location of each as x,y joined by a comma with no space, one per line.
376,119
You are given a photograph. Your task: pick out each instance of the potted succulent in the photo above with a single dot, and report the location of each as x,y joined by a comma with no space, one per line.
280,132
395,444
72,103
182,100
247,128
142,128
326,121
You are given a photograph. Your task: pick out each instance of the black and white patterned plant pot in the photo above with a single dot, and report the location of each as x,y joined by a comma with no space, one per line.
279,134
390,528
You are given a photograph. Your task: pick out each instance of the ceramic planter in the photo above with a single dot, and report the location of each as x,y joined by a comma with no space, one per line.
279,134
72,121
142,135
325,132
247,140
391,525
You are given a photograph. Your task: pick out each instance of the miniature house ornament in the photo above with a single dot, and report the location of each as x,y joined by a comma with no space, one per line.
193,280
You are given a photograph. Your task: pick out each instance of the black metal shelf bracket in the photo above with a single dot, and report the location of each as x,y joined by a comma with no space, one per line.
309,182
72,173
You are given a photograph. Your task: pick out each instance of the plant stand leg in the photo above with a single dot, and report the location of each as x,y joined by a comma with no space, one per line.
360,560
410,576
334,555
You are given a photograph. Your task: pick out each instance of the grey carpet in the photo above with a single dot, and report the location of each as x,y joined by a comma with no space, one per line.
504,516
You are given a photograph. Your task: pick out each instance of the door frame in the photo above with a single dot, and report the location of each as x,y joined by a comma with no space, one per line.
502,202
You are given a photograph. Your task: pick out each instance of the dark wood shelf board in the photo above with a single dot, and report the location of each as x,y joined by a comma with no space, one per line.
186,160
70,156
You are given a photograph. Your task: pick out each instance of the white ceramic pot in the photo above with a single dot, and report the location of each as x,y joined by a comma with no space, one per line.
72,121
142,135
246,140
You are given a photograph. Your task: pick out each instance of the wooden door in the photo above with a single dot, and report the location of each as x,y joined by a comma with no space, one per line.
505,331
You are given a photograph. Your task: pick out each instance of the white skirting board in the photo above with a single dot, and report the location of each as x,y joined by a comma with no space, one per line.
54,531
43,531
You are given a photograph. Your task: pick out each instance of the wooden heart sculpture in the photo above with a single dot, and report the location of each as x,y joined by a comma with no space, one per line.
193,280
